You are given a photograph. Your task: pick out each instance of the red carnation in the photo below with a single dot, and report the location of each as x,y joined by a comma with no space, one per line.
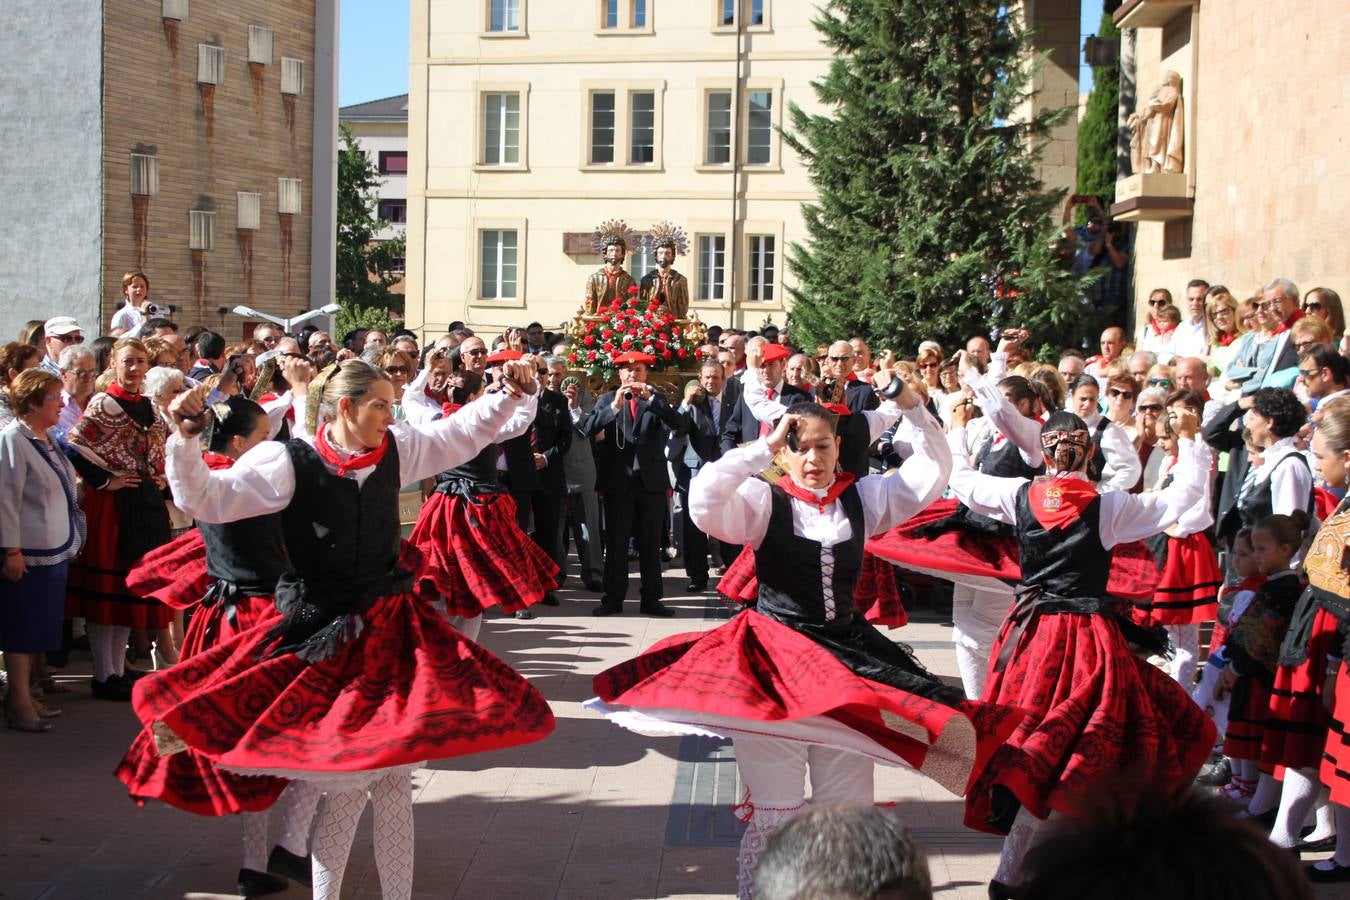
590,355
589,341
632,289
665,354
683,353
607,333
607,347
627,342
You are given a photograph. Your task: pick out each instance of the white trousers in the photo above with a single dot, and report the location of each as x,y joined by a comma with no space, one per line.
774,772
977,616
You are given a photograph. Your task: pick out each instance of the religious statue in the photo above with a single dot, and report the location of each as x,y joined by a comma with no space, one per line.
663,285
1158,132
610,285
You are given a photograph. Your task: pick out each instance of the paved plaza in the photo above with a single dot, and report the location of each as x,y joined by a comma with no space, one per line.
592,813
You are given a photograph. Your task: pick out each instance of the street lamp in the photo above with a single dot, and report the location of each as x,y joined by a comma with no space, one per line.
287,325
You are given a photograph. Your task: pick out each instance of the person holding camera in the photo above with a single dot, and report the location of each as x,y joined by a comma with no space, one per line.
136,290
630,426
1101,244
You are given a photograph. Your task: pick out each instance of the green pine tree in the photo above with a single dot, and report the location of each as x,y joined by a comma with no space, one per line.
364,266
1099,131
928,194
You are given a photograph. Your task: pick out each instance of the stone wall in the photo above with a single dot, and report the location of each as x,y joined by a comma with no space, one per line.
212,142
50,178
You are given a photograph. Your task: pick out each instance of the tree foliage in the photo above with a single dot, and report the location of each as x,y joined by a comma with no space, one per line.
930,221
1099,130
364,266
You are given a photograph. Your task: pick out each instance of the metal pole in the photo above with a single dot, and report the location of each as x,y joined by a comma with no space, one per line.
733,243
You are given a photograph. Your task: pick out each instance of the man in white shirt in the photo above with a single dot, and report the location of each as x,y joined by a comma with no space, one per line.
1190,339
1191,374
1112,343
1325,373
59,333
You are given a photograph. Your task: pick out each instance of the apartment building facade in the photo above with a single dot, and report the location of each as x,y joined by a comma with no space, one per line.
380,131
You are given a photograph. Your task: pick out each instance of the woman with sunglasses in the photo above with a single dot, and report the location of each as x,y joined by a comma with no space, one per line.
1121,391
1160,330
1325,304
1224,326
1152,400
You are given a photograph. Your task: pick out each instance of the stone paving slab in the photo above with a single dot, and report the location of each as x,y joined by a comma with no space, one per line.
593,813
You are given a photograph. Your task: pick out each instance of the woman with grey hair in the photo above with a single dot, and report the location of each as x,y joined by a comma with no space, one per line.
1144,435
162,384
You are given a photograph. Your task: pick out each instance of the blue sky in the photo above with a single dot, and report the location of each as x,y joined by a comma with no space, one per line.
373,52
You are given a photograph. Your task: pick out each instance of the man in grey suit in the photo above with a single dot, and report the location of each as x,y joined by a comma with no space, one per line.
583,507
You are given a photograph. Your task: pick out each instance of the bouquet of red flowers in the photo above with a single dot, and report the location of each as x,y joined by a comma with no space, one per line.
629,324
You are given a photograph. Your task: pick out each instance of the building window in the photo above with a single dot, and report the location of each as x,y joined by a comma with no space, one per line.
602,127
174,9
503,15
144,174
210,64
726,17
398,265
292,76
623,15
639,13
718,144
501,130
756,12
761,267
288,196
640,260
201,230
260,45
393,162
642,127
394,211
759,130
248,211
611,14
712,254
498,256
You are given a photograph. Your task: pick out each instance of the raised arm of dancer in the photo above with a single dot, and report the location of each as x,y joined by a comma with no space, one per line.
891,499
425,448
988,495
1023,432
727,501
1133,517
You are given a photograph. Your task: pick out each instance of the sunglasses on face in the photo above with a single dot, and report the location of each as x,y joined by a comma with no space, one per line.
1116,392
1157,303
928,365
1309,373
396,370
1151,408
841,359
70,338
1312,307
477,352
1160,382
1301,346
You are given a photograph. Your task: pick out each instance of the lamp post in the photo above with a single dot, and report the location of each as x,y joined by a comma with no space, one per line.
287,325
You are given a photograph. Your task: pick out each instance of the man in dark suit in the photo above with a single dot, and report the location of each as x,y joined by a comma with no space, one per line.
743,427
707,407
534,470
631,426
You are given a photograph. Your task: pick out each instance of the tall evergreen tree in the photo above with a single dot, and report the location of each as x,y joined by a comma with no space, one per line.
930,210
1099,131
364,265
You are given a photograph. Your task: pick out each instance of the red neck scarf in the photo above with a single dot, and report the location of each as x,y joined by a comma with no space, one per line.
433,395
1157,329
1057,502
330,454
121,393
216,461
1225,339
449,409
795,490
1288,323
839,409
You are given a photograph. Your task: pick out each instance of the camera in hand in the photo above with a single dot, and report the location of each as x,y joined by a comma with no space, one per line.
155,310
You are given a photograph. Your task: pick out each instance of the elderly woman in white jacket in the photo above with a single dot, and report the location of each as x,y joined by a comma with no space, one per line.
41,530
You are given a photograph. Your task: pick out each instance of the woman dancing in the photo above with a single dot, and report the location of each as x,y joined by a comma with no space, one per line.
361,679
800,681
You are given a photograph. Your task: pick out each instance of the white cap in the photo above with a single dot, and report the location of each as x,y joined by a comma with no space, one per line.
61,325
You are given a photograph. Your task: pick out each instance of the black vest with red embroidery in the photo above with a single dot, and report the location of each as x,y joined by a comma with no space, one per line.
1065,562
789,567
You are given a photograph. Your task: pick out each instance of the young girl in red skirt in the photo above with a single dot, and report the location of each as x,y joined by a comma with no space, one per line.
474,553
361,679
1335,768
1250,650
800,682
225,574
1095,710
1187,594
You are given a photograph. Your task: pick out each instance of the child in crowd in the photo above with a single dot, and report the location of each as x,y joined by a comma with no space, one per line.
1235,597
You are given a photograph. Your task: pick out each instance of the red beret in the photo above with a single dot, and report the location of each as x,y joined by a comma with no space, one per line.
633,356
502,356
774,352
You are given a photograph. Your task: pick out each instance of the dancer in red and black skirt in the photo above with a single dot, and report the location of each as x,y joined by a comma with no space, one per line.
362,679
800,682
474,554
1095,710
1189,579
227,574
119,432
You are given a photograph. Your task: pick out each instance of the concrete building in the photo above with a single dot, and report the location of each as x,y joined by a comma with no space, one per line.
170,136
380,128
1266,177
531,122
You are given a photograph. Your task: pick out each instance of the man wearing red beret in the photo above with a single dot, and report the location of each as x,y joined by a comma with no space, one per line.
630,426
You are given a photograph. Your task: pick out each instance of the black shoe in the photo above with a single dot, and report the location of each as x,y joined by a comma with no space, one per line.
1319,846
1000,891
656,608
605,609
1327,876
114,688
696,587
1265,821
133,675
1217,773
550,599
594,587
523,614
57,659
288,865
259,884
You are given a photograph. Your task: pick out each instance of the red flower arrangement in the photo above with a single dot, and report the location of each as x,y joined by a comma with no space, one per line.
629,324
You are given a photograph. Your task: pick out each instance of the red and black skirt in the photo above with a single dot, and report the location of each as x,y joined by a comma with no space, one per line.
1296,718
1094,712
1188,584
876,595
476,556
403,688
1247,712
174,574
1335,771
97,589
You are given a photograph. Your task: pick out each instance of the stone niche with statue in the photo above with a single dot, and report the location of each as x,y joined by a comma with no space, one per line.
619,314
